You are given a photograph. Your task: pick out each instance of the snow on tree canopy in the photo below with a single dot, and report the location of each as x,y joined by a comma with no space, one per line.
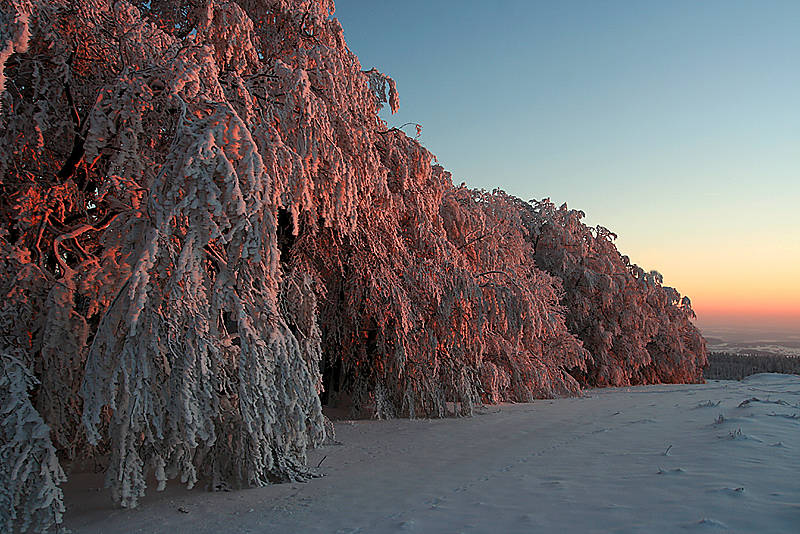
208,233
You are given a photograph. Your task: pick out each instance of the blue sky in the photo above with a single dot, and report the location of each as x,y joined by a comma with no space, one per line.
676,124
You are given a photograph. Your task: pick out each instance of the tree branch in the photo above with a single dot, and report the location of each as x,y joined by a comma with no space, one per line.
75,233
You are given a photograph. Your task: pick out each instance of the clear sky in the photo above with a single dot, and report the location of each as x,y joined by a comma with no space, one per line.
675,124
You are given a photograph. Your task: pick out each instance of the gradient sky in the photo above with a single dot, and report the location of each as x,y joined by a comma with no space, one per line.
675,124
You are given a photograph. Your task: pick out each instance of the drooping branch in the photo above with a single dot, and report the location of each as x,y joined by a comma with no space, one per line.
400,129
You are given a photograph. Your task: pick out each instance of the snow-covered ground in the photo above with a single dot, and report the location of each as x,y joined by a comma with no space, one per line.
724,456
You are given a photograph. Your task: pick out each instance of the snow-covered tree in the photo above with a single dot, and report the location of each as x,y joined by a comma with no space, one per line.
637,330
30,497
206,230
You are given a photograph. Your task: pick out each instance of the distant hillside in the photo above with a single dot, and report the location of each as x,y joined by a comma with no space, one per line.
730,366
778,346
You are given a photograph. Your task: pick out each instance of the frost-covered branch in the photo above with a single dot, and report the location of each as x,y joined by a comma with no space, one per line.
30,496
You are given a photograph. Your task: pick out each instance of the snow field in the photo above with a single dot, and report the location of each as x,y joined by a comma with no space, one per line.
716,457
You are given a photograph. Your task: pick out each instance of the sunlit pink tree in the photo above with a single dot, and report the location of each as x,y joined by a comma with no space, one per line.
637,330
205,225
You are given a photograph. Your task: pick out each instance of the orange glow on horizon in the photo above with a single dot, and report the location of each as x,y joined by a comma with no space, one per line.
763,315
757,308
748,281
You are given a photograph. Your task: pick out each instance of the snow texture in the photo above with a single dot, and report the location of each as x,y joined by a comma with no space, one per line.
632,459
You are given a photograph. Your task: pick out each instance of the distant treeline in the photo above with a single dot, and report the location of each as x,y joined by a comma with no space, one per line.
730,366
